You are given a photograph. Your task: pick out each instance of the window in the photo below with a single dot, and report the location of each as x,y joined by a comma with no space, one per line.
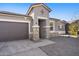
60,26
51,26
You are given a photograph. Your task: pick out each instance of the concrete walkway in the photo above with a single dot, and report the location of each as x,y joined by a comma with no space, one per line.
23,47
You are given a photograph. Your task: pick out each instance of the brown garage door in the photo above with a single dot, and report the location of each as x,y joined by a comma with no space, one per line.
13,30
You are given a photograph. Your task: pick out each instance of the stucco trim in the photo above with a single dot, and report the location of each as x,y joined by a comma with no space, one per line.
53,31
59,32
35,26
42,18
21,21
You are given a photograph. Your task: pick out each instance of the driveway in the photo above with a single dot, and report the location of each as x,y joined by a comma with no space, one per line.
23,47
64,46
56,46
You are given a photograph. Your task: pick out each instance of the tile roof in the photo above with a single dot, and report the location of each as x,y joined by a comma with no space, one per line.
55,19
12,13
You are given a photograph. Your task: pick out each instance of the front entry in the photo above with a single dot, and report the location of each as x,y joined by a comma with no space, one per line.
42,29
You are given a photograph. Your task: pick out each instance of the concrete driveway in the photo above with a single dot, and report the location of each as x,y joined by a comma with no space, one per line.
64,46
23,47
56,46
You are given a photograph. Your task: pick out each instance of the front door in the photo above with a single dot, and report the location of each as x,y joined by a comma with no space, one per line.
42,30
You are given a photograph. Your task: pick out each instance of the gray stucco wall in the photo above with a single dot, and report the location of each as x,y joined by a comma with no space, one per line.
39,10
57,25
36,13
13,30
56,28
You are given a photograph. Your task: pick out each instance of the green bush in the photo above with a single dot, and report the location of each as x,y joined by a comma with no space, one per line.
73,29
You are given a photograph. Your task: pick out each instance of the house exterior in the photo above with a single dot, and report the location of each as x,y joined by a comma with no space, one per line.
35,25
58,27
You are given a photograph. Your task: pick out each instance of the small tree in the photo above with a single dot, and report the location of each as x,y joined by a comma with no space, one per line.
74,26
73,29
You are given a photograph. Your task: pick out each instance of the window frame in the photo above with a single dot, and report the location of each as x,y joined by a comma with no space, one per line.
51,26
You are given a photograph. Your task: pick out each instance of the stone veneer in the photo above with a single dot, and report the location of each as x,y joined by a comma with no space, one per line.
35,33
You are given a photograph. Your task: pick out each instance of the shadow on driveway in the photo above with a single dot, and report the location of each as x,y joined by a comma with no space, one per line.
64,46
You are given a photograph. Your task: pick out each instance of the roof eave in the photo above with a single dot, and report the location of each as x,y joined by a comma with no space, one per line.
14,14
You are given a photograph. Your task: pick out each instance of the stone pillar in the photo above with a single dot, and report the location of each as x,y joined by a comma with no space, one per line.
47,32
47,29
35,32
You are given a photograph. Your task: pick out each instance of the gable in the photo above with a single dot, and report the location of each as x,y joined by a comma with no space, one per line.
36,6
41,12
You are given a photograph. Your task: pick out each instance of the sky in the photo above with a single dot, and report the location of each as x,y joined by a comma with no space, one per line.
63,11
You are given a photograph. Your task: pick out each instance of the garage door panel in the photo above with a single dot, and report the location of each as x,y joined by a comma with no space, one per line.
11,30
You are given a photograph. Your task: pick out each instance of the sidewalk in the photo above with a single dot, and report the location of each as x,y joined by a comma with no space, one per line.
70,36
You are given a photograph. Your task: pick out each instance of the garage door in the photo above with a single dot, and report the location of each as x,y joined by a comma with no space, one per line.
13,30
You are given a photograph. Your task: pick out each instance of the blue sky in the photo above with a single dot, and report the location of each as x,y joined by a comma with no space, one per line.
63,11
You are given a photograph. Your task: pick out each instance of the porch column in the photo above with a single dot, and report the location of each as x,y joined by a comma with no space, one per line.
35,32
47,29
47,32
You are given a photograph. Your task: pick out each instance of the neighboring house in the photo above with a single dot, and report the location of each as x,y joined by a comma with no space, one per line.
36,24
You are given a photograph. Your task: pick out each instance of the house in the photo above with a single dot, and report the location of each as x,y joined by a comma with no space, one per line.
35,25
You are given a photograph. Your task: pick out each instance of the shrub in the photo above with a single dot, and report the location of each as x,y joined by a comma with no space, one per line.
73,29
